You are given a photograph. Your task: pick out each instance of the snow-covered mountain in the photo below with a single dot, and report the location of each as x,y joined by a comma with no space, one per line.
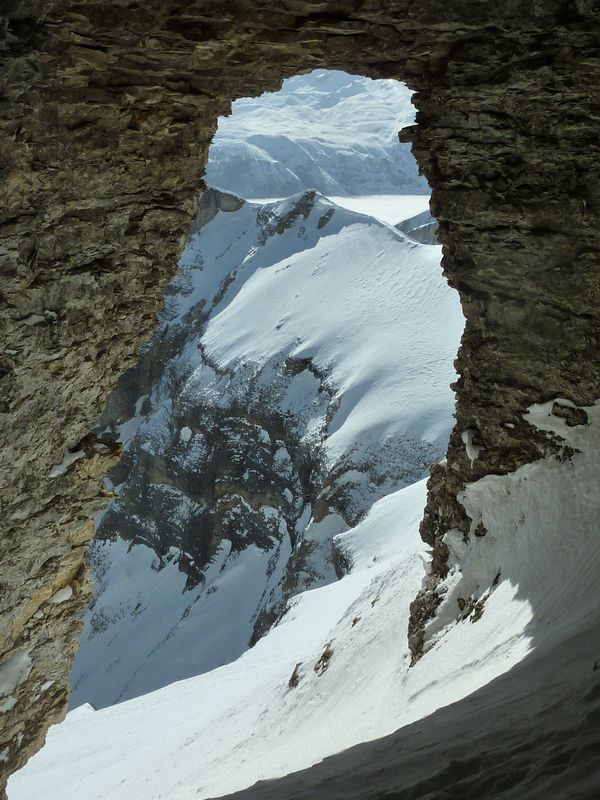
422,228
280,396
300,373
329,130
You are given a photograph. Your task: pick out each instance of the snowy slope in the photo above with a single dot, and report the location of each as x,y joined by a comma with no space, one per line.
303,361
373,312
255,430
389,208
335,132
345,645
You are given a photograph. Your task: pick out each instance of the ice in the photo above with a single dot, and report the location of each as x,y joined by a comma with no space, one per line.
473,450
68,460
14,670
62,595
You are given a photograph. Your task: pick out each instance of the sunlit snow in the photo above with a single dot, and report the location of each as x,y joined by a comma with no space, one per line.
327,130
374,313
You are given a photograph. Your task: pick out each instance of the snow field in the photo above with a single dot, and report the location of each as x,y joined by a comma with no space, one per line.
228,728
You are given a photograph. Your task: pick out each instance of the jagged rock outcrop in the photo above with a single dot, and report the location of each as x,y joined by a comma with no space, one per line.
106,115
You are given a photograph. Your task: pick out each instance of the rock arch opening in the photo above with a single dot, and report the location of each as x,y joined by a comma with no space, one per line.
107,111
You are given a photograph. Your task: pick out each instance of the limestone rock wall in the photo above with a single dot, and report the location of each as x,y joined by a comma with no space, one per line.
508,137
107,109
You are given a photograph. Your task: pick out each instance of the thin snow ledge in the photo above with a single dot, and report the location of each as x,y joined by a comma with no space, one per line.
62,595
558,416
14,671
69,459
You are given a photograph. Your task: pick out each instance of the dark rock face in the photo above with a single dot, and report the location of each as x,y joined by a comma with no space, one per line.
106,116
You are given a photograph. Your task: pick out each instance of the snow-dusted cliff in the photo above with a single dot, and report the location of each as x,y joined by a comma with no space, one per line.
300,372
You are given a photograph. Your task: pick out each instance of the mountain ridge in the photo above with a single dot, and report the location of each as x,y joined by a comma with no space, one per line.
335,132
248,448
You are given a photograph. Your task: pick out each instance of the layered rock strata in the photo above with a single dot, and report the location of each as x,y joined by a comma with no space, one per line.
107,110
